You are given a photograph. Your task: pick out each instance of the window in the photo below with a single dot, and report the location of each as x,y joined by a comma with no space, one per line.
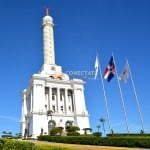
61,107
53,68
69,108
69,98
69,95
53,96
46,90
61,96
69,123
51,77
53,107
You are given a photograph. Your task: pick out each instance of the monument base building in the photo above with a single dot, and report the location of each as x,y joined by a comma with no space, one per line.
52,99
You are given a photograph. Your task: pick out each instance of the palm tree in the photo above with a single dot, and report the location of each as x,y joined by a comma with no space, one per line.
98,127
102,120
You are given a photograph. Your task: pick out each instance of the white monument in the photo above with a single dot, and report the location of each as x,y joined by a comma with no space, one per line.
52,99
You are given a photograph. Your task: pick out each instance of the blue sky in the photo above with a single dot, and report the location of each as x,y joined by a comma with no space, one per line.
82,27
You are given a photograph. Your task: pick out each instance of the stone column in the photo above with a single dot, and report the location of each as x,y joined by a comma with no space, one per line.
66,101
73,101
50,99
58,99
31,102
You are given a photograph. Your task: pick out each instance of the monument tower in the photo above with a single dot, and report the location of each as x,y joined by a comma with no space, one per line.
52,99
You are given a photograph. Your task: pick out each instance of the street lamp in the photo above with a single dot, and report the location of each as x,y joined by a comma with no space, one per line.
49,113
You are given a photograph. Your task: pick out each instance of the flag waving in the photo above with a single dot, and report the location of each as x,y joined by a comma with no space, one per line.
125,73
110,70
96,67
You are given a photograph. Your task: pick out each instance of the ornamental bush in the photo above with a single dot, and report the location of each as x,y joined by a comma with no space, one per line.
1,143
97,134
101,141
56,131
17,145
8,144
72,128
73,134
129,135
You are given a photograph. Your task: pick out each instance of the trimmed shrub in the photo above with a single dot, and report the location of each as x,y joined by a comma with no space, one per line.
73,134
87,130
1,143
101,141
72,131
72,128
128,135
7,144
97,134
56,131
17,145
43,137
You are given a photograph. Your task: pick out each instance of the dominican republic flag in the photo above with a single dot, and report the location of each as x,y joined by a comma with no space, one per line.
110,70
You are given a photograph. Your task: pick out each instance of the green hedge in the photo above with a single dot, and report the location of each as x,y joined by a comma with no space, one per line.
15,145
128,135
97,134
101,141
7,144
1,143
73,134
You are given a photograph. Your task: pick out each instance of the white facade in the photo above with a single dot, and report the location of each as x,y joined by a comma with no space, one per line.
51,91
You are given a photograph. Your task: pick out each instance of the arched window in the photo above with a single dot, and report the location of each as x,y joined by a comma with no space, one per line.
68,123
51,124
51,77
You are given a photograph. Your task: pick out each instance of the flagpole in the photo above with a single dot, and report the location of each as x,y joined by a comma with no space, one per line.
122,100
137,101
105,97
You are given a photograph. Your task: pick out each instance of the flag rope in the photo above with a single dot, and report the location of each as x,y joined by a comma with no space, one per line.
137,100
105,97
122,99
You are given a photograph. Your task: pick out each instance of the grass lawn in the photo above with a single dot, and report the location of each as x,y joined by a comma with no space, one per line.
81,147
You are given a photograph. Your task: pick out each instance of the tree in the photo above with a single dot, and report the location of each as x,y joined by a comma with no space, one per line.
7,134
98,127
102,120
18,136
10,134
4,135
4,132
